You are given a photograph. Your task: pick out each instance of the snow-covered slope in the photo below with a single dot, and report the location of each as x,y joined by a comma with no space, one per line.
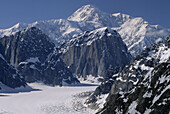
135,31
58,29
139,34
93,16
12,30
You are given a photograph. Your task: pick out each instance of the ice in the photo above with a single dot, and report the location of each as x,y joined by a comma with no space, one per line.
46,100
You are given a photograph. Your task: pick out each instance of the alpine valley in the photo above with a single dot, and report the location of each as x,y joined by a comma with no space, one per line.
123,60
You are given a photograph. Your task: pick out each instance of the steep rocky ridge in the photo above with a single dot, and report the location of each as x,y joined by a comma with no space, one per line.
26,44
9,76
36,58
93,52
121,80
150,95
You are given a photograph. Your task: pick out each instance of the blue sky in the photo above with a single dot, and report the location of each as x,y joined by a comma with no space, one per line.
28,11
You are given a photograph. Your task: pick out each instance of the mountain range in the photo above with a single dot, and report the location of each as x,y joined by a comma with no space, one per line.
135,31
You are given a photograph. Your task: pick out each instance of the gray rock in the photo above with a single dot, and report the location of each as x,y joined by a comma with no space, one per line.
93,53
150,95
35,56
26,44
131,74
9,76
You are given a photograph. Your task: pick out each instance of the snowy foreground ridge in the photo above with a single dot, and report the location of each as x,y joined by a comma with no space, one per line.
47,100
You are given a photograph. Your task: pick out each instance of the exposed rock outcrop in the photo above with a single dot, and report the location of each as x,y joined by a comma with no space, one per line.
36,58
26,44
150,95
130,75
9,76
94,52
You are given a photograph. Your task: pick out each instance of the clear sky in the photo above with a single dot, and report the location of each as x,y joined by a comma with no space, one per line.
28,11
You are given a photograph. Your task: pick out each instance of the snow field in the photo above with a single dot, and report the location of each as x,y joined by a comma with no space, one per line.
47,100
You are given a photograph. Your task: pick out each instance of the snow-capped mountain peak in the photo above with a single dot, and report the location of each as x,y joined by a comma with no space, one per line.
93,16
121,18
18,26
85,13
12,30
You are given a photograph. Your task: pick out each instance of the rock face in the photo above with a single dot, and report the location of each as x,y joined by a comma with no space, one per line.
121,80
93,53
150,95
9,76
53,71
36,58
26,44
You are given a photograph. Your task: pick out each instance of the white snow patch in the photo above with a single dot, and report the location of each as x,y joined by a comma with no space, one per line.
134,82
148,75
165,56
101,100
125,100
157,97
120,78
33,60
147,95
132,108
143,67
163,79
91,79
118,111
136,65
147,111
